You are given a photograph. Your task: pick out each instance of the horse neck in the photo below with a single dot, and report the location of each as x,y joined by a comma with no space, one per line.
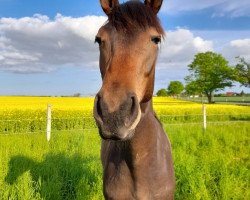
145,133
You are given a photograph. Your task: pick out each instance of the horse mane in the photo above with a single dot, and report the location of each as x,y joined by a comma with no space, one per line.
134,16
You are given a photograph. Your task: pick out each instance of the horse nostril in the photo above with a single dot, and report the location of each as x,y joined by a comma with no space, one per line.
98,113
133,105
98,106
132,111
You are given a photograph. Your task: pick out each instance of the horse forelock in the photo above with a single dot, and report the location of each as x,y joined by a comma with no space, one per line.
134,16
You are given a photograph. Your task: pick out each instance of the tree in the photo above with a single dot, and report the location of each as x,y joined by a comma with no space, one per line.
175,88
192,88
242,72
162,93
77,94
210,72
242,93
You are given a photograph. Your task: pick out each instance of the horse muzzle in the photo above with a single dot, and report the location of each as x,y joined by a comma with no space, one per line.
119,124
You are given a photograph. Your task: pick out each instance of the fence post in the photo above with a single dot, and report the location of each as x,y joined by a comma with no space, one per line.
204,116
48,122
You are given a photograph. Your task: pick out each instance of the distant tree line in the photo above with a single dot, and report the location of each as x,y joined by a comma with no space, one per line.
209,72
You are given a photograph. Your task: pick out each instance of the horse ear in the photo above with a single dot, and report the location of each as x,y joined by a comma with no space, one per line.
108,5
155,5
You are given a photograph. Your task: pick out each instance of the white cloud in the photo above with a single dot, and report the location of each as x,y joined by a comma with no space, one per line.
245,43
38,44
180,47
230,8
176,53
239,47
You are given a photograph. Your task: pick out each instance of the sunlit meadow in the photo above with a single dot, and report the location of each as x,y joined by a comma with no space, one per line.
211,164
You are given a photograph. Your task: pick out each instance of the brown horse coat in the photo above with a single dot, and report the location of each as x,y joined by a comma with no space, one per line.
135,153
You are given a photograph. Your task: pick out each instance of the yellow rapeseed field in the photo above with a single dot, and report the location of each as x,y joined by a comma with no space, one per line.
171,106
162,105
28,114
37,103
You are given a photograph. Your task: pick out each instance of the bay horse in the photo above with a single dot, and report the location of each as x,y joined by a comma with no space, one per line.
135,151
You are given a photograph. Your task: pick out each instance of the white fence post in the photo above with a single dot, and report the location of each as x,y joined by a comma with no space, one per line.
48,122
204,116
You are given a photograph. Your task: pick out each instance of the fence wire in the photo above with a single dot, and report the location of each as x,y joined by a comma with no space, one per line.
83,118
89,121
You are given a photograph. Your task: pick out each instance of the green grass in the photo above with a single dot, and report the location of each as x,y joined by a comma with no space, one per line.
208,165
236,99
212,164
66,168
231,99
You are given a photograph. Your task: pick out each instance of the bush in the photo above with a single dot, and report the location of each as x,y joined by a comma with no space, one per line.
162,93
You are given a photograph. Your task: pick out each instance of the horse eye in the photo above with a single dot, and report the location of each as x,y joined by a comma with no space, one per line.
98,40
156,39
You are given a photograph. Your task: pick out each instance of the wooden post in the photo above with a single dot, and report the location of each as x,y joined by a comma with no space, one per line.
204,116
48,122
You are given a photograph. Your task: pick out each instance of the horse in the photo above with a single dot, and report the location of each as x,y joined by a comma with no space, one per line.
135,151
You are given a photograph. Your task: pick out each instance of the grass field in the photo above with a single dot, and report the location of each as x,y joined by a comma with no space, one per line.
230,99
208,165
211,165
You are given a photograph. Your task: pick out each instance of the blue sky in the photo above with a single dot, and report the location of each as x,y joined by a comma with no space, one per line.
46,46
201,19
